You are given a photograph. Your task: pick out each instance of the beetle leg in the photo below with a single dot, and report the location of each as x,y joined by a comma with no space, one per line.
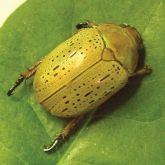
66,132
24,76
87,24
143,71
82,25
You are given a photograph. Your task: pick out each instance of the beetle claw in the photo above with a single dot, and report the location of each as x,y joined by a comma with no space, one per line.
10,92
148,69
53,145
48,148
17,83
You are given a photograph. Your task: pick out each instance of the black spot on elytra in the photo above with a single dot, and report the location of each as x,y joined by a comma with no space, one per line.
118,68
65,109
67,102
107,93
105,77
91,101
55,74
56,67
71,44
87,94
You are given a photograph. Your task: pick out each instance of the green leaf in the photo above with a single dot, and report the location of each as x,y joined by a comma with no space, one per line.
127,130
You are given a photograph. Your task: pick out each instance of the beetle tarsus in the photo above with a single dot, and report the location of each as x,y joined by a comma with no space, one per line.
24,75
82,25
147,69
18,82
65,134
55,143
143,71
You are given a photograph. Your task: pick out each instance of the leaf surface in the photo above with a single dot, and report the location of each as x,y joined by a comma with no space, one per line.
128,129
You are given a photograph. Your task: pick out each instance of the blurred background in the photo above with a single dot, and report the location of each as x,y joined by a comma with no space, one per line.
7,7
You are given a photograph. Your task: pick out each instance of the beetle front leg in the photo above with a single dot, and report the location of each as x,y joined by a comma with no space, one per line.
143,71
24,76
87,24
65,134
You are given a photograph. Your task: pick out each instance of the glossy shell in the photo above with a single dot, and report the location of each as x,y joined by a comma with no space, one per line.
79,75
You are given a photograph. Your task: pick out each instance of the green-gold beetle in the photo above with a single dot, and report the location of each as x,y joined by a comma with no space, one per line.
85,71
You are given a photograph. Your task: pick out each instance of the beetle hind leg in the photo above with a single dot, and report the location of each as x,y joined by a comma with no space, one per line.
64,135
24,76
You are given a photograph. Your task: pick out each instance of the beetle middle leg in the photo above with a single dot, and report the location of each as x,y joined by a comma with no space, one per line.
66,132
24,76
143,71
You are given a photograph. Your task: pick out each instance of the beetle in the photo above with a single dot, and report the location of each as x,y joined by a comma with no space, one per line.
84,71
